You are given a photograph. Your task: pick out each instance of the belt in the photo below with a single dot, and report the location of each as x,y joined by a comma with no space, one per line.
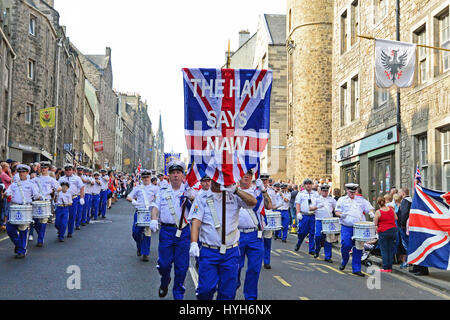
172,225
307,214
62,206
73,197
218,248
248,230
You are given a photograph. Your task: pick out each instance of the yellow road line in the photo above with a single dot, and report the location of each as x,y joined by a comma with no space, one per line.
283,282
304,298
4,239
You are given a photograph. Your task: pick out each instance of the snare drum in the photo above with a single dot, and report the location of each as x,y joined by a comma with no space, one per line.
20,214
331,226
42,209
144,217
273,221
364,231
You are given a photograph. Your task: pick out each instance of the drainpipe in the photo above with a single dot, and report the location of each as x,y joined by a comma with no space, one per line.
57,102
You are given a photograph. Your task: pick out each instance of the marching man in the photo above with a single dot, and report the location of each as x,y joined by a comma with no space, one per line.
171,208
22,192
142,197
95,198
62,203
351,209
219,257
103,194
325,206
265,188
77,192
79,215
284,197
46,186
306,205
88,183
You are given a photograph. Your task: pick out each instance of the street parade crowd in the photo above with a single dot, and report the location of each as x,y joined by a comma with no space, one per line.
219,226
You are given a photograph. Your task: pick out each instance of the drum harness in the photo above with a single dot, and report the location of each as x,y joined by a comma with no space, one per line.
181,224
26,226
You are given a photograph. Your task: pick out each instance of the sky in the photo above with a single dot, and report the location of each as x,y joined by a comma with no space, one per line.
152,41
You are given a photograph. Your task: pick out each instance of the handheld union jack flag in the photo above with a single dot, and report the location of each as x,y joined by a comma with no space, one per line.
418,177
227,121
429,228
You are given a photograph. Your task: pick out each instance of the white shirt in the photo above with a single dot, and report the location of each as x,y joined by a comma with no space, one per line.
87,184
161,202
355,208
208,233
273,197
303,198
105,180
63,198
245,215
29,189
46,185
75,184
138,194
284,205
325,207
96,188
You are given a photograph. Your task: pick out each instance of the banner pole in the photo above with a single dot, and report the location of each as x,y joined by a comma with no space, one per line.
419,45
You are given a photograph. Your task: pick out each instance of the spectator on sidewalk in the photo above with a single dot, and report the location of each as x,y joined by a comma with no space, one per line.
403,216
384,220
6,180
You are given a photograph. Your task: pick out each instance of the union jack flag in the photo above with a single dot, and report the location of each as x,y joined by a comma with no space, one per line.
227,121
418,177
429,228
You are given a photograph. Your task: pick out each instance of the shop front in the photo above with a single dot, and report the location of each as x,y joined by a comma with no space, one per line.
370,162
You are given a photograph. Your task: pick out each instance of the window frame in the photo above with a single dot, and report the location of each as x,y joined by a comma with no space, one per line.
29,113
32,25
444,55
31,69
344,32
343,91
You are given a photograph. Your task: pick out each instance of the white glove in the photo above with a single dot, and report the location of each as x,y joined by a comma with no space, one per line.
154,225
299,217
82,201
231,188
371,214
194,251
134,202
260,185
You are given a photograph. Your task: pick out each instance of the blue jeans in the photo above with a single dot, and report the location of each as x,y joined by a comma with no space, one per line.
405,238
387,242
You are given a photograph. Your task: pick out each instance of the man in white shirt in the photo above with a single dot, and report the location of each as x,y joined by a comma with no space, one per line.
219,256
306,205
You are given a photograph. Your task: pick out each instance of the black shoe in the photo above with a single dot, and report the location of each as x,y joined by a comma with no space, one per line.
69,235
83,224
145,258
20,256
77,228
40,245
196,265
139,253
284,241
360,274
267,266
316,256
162,292
61,240
16,250
312,253
342,267
88,222
297,247
103,217
329,260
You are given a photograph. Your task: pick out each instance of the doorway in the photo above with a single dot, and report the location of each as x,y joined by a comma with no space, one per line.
382,177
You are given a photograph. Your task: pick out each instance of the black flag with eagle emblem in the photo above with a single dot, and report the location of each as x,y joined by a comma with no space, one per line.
395,63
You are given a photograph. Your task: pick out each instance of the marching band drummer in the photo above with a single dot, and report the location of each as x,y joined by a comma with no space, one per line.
351,209
172,206
219,257
22,192
142,197
267,234
95,198
88,183
284,197
77,192
325,206
251,243
79,216
46,186
62,203
103,194
306,205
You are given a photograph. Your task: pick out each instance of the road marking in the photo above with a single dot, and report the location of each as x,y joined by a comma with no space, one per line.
419,286
327,266
4,239
304,298
194,275
283,282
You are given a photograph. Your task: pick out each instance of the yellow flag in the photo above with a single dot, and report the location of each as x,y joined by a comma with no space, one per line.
127,162
47,117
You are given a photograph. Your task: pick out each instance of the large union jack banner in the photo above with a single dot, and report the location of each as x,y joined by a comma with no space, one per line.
227,121
429,228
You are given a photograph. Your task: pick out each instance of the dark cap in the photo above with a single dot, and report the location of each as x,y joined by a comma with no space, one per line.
177,165
146,173
65,184
351,187
307,181
325,187
68,166
205,178
265,176
277,185
23,168
45,164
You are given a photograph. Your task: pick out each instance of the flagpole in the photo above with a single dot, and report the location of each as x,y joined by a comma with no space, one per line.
419,45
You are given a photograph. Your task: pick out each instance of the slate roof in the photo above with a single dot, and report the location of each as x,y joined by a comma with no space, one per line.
276,24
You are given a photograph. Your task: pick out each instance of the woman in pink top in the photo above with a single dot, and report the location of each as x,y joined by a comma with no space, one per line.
385,219
6,179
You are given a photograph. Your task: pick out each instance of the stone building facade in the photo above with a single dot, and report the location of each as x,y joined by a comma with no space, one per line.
98,70
309,37
371,147
266,50
7,55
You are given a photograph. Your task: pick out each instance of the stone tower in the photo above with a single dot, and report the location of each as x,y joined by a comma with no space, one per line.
309,32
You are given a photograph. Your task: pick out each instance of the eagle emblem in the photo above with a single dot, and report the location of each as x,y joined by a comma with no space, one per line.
393,64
